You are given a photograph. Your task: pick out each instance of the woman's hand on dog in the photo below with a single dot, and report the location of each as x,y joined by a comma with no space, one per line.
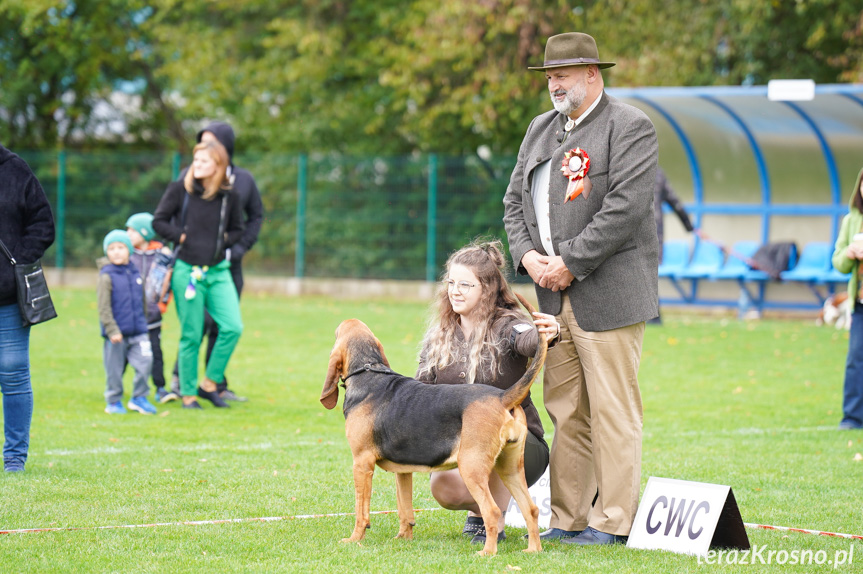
546,324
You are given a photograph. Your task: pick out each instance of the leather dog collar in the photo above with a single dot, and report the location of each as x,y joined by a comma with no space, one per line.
367,368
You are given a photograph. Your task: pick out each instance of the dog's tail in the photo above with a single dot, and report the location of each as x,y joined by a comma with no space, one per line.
516,393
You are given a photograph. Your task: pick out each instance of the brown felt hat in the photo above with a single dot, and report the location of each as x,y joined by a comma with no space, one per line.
571,49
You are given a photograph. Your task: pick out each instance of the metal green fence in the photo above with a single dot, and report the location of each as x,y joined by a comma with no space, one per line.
326,215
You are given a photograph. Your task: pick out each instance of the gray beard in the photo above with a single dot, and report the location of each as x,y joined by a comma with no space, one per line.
573,100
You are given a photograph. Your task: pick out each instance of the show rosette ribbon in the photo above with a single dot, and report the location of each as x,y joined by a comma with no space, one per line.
576,162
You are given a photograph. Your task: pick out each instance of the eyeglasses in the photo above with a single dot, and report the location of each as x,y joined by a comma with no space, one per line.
462,287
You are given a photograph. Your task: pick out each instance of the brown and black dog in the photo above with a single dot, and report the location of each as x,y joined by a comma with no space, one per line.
406,426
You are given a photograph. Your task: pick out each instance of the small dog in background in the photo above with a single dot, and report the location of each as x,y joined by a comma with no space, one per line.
836,311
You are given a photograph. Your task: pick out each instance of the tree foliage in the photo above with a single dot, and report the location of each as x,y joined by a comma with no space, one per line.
374,76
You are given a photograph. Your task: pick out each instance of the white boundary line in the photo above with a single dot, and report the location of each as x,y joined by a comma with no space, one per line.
203,522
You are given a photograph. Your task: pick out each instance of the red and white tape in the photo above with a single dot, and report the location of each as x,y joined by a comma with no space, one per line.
343,514
803,530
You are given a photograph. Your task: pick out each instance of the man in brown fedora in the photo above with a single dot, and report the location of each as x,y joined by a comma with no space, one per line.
579,218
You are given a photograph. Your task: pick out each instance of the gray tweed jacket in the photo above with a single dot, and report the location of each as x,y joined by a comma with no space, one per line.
607,240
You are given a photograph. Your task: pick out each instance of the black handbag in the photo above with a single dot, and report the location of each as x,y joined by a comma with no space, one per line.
34,300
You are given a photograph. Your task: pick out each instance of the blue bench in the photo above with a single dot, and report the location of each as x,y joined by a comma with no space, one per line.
707,259
815,268
737,268
675,257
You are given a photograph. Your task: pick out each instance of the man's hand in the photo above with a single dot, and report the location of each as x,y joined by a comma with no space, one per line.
556,276
116,338
535,264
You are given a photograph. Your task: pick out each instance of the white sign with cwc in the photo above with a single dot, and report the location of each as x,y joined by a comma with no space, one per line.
678,515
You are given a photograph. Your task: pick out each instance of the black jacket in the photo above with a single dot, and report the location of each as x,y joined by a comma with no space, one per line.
244,187
202,245
26,222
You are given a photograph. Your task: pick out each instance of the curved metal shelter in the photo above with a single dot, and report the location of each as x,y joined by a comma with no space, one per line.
755,169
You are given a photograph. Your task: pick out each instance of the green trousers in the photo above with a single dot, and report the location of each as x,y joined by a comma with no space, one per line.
216,293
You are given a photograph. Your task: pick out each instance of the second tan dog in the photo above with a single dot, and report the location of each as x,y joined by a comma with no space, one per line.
405,426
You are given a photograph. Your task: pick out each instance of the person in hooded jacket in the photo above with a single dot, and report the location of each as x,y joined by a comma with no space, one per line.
27,230
146,250
249,198
847,253
201,214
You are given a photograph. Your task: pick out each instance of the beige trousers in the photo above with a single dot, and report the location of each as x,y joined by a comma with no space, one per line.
592,396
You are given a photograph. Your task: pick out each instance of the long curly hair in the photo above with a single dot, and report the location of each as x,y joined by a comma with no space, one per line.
486,260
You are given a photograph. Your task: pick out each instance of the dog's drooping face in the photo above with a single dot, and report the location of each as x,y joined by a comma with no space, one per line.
355,344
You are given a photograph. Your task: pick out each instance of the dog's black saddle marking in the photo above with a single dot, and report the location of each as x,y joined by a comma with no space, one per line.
414,422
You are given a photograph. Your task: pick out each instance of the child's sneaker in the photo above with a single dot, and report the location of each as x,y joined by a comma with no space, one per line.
167,396
142,405
115,408
161,393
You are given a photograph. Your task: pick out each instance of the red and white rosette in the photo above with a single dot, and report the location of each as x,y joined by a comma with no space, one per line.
576,162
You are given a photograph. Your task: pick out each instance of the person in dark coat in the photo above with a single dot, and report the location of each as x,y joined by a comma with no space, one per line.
202,215
27,230
663,193
246,190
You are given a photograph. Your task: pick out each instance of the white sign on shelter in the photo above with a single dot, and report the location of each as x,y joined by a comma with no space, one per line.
687,518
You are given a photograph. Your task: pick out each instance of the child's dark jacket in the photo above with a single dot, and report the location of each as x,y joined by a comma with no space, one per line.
120,296
143,260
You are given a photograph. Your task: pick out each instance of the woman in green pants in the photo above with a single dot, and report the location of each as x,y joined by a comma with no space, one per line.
203,217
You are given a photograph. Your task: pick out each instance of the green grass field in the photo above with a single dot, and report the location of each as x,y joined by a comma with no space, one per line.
751,405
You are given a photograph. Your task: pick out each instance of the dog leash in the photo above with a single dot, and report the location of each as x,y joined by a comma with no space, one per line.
368,368
731,252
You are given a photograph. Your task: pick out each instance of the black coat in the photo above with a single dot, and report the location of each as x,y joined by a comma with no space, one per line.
244,187
202,245
26,222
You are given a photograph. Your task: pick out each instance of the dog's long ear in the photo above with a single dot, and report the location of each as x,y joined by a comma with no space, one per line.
383,355
330,394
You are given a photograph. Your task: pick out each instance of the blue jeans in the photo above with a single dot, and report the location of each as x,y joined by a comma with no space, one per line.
15,385
852,401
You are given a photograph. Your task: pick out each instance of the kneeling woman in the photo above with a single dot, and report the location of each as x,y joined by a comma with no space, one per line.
203,217
479,335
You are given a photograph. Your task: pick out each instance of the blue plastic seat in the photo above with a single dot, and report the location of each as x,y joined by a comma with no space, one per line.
707,259
735,267
814,264
675,256
834,276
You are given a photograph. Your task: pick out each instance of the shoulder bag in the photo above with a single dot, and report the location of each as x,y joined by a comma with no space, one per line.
34,300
